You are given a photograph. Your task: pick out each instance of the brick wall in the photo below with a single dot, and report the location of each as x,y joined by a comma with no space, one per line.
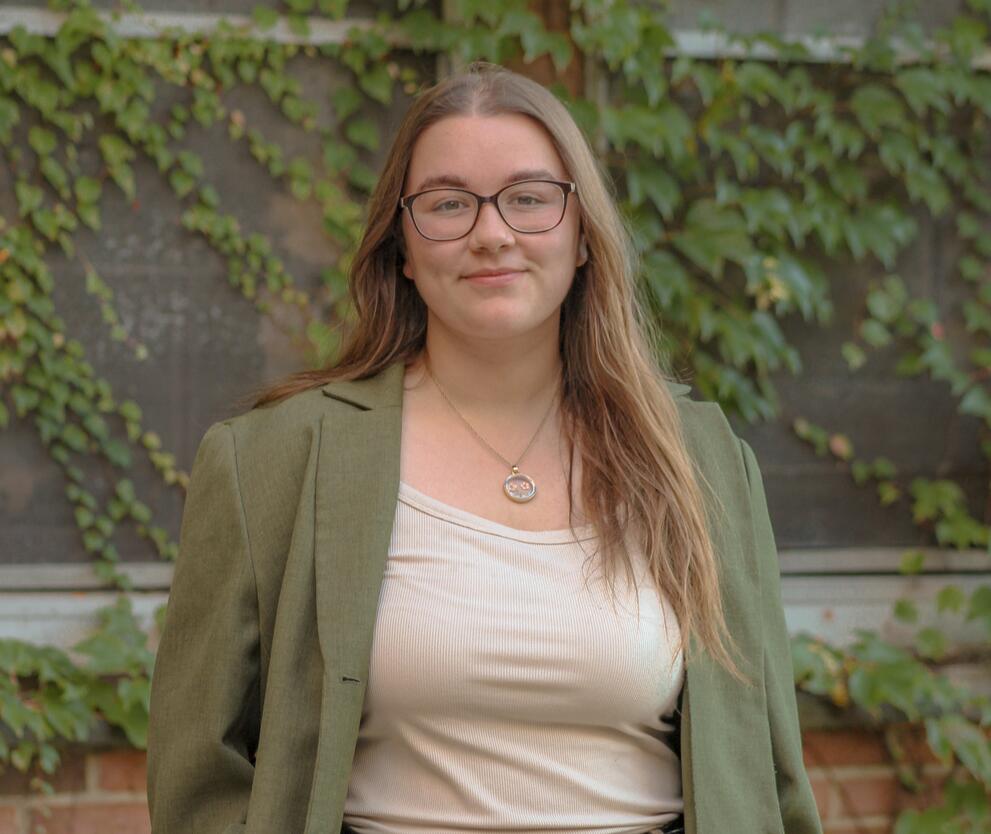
96,792
103,791
854,781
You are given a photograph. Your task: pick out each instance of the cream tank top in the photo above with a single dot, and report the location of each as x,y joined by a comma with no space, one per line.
506,692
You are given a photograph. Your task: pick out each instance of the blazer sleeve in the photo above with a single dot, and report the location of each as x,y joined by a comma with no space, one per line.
204,711
799,814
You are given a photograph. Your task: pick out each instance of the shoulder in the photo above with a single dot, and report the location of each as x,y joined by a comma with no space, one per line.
275,442
703,422
299,415
725,460
277,422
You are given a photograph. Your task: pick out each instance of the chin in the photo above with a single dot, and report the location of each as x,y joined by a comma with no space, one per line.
495,328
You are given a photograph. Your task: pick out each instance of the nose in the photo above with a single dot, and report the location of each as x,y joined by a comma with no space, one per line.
490,230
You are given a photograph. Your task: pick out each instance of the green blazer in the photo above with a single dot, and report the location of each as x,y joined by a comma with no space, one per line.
259,680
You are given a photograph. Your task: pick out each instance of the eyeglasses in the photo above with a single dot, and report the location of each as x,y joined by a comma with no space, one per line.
530,207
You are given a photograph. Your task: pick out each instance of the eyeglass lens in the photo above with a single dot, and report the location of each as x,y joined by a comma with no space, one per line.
447,213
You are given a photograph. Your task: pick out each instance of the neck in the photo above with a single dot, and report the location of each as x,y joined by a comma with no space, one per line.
494,377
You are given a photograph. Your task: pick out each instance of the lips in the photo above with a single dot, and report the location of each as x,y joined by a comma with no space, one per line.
493,279
483,273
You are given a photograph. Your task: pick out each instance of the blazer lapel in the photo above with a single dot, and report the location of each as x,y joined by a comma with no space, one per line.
357,482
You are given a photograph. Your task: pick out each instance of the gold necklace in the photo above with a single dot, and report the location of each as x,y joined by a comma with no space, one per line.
517,486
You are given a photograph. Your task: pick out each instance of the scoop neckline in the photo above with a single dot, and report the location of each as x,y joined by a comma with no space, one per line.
413,497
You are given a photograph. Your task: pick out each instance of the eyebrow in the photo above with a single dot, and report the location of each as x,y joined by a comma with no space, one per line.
455,181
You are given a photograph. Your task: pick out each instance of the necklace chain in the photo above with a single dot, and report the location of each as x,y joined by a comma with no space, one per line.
513,466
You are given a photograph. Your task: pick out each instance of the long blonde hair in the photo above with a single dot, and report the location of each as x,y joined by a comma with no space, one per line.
637,472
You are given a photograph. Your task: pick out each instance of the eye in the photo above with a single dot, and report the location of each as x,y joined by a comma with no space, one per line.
531,195
444,202
527,199
447,204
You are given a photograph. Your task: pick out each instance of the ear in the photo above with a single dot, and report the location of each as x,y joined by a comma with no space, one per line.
582,251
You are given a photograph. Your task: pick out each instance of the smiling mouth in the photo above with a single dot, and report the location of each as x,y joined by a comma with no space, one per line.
494,280
486,273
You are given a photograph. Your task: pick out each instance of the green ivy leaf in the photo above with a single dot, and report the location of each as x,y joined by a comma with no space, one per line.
75,438
930,643
876,107
140,512
191,163
84,518
181,183
378,83
950,598
906,610
362,177
969,743
116,152
886,302
346,100
338,156
854,355
42,141
298,25
123,175
10,117
977,401
363,132
884,468
335,9
264,17
977,317
980,604
960,530
87,189
874,333
652,181
712,235
125,491
29,197
923,88
912,562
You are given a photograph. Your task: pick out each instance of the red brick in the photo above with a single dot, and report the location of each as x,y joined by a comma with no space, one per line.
917,749
121,770
858,828
930,791
835,748
96,818
869,796
69,775
822,789
8,821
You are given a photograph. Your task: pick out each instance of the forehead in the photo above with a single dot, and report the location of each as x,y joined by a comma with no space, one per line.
482,153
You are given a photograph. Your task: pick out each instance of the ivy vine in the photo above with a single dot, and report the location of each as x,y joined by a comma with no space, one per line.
740,176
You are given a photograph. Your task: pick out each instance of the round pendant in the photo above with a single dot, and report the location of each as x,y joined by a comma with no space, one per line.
519,488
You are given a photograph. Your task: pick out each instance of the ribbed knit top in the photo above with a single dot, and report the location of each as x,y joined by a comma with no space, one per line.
506,693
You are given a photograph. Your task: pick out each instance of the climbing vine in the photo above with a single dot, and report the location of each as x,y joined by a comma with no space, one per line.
739,176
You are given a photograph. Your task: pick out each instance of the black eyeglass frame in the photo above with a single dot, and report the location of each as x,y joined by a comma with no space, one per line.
567,187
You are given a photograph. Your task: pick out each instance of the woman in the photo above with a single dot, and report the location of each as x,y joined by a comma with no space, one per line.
490,571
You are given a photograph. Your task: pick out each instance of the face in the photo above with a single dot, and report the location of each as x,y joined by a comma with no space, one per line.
483,154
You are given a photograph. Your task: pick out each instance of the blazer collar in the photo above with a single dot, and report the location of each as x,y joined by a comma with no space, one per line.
383,390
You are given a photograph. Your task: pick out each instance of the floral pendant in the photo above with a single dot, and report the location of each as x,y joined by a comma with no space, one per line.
519,487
